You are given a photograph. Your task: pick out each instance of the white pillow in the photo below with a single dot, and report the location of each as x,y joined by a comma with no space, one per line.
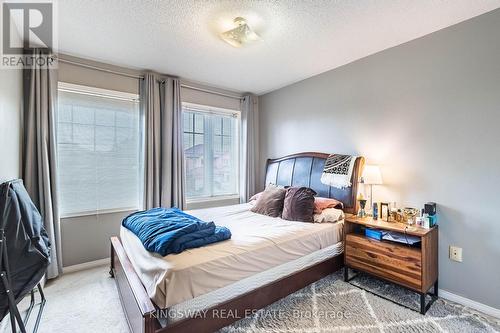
329,215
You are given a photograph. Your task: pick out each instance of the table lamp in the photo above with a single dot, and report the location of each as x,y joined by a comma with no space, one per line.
372,176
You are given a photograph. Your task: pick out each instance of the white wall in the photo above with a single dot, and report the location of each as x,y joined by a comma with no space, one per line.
428,112
10,123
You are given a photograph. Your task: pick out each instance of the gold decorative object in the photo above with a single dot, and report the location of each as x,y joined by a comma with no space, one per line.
409,215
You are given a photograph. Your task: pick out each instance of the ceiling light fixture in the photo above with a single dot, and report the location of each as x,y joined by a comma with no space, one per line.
240,35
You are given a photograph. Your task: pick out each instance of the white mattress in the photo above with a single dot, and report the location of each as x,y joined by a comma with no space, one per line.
258,244
184,309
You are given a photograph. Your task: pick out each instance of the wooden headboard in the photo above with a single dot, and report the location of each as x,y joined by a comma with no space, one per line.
305,169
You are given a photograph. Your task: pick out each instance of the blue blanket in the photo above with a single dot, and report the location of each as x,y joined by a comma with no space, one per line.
170,230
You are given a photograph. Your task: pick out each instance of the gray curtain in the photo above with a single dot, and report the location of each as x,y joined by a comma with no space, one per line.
249,147
39,152
164,159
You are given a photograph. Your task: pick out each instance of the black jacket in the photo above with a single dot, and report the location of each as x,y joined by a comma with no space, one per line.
26,242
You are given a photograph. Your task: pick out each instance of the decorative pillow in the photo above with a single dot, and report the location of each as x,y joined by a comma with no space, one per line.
299,204
255,197
270,202
321,203
329,215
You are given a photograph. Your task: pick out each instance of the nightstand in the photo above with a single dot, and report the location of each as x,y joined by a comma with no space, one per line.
412,267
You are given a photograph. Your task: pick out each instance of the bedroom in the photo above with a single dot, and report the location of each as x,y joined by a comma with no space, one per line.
150,104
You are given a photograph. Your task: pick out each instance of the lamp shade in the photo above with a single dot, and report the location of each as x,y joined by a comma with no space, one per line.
371,175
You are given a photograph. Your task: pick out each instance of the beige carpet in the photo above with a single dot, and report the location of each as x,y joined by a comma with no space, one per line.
87,301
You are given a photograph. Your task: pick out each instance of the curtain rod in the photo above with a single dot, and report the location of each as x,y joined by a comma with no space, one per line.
141,77
101,69
210,91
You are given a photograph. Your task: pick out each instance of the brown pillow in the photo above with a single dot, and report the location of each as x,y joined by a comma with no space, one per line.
299,204
255,197
270,202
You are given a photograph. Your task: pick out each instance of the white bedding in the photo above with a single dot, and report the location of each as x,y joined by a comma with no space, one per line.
215,297
258,243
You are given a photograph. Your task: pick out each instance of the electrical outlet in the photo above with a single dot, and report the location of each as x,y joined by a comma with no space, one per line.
456,253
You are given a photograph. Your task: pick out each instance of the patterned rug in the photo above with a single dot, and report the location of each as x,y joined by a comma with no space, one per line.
87,302
331,305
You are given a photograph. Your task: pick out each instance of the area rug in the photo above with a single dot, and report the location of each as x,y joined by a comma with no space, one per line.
87,301
331,305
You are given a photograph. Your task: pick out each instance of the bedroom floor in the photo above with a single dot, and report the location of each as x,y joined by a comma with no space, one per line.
87,301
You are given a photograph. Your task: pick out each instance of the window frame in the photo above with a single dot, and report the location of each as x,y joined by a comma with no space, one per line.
112,94
217,111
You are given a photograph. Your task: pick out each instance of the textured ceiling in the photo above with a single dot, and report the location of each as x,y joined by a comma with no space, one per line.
301,38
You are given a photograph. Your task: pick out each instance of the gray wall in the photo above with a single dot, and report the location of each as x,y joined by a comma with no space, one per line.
10,123
86,238
428,112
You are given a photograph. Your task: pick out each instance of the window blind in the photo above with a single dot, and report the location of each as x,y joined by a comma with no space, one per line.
99,151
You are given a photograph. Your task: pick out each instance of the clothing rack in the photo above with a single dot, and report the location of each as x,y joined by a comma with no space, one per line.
141,77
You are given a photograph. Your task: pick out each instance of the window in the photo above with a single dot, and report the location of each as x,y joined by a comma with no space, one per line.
211,145
99,150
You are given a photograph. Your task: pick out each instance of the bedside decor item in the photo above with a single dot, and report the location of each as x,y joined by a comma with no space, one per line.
430,208
337,171
397,261
397,215
385,212
374,233
409,215
419,221
429,215
371,176
375,211
362,204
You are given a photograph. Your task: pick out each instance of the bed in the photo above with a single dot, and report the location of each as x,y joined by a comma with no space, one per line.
265,260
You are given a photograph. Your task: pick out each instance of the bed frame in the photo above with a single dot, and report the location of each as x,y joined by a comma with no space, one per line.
303,169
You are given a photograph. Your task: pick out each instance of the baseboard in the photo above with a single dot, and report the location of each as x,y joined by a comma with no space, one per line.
470,303
85,265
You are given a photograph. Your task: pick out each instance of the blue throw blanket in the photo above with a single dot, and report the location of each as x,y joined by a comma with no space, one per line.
170,230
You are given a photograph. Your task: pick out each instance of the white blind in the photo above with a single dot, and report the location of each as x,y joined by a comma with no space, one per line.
211,144
99,151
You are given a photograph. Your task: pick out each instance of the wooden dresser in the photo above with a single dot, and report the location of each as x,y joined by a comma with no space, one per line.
413,267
